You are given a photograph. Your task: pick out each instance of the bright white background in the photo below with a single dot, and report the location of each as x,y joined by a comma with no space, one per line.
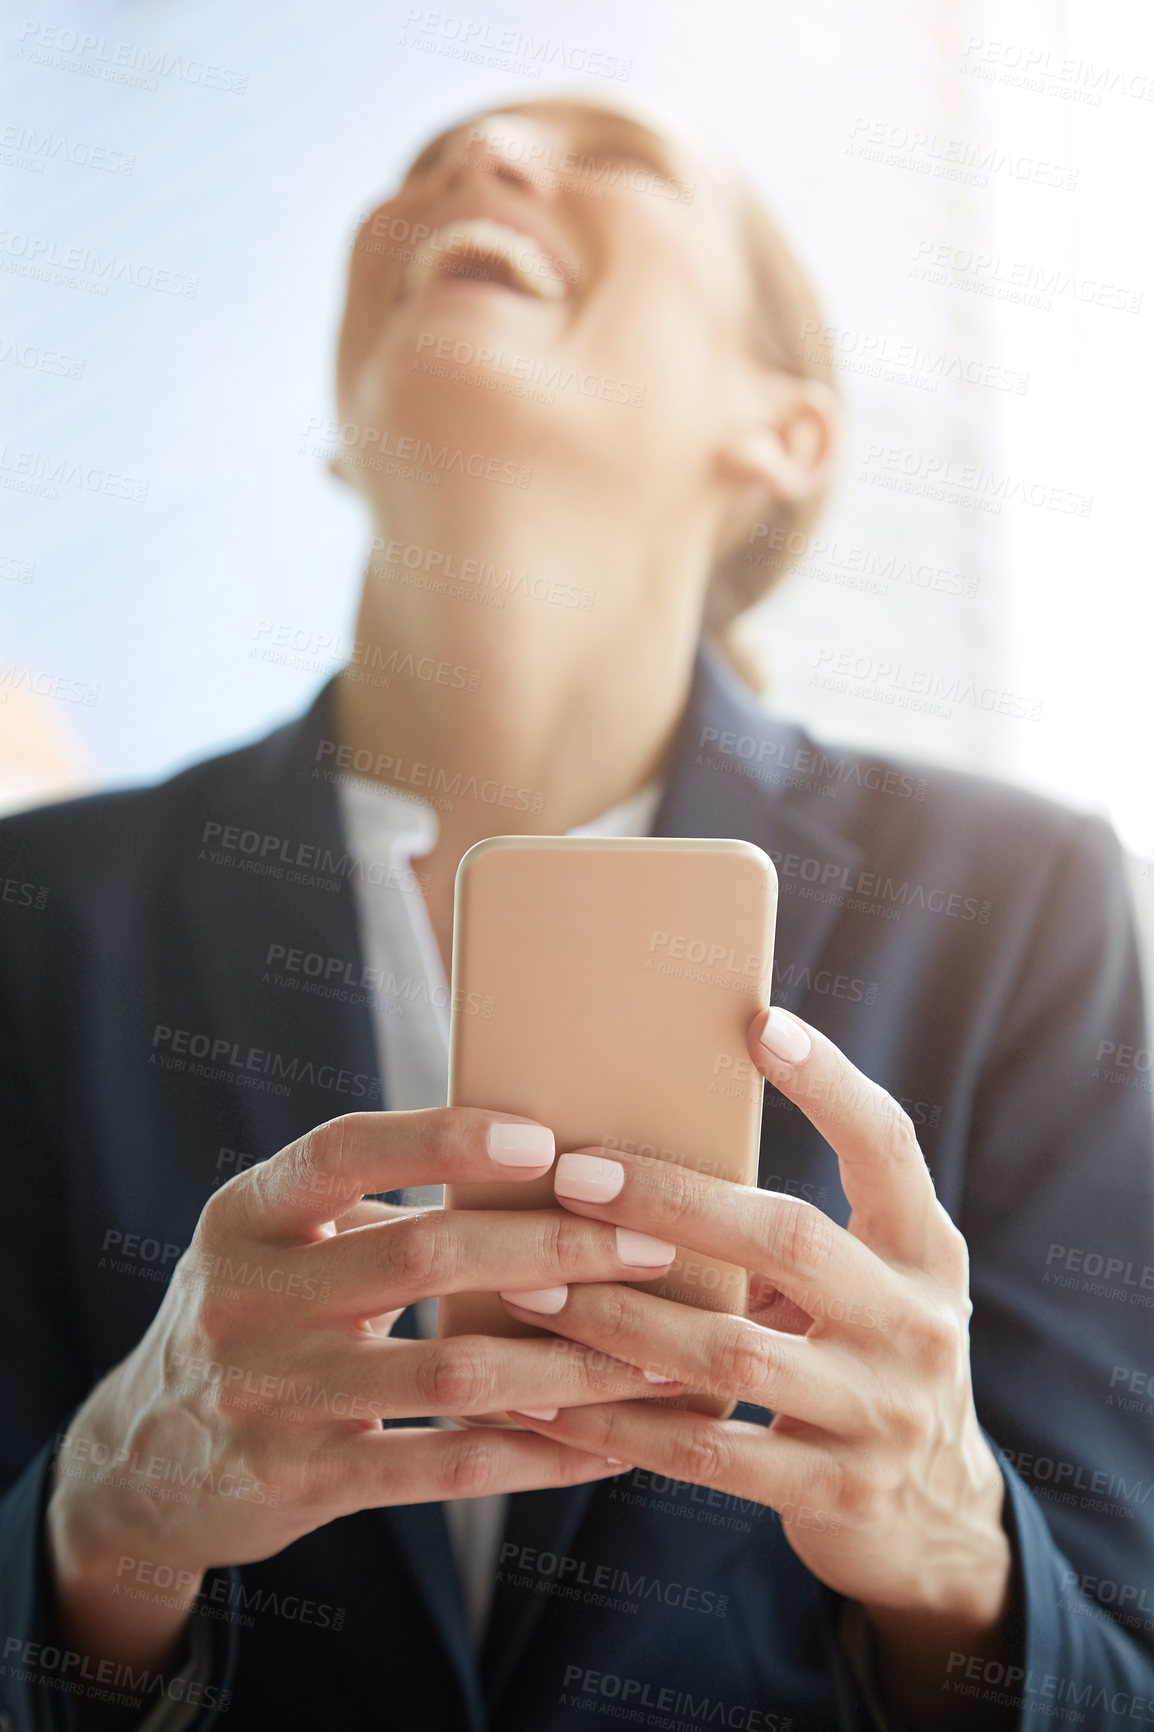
848,118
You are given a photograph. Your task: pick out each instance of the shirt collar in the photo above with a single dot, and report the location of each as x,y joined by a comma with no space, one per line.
397,815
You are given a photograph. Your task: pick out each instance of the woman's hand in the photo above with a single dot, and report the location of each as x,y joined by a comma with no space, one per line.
250,1412
857,1341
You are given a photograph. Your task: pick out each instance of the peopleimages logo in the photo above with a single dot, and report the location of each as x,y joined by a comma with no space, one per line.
222,1059
37,148
578,1574
1028,67
65,1669
449,785
552,375
38,256
17,678
432,567
585,1685
1023,282
927,151
343,437
121,62
478,42
828,880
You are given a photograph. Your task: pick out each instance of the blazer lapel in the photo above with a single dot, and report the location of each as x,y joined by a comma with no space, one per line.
289,817
730,773
265,869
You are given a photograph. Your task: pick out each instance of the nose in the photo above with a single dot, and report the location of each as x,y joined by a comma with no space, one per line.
510,146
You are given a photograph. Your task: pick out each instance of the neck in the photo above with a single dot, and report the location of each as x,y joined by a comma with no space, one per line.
533,662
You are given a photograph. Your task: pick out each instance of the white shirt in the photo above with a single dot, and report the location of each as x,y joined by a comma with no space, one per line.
411,1016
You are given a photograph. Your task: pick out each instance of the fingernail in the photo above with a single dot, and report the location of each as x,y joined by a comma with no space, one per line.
547,1300
543,1413
520,1145
656,1377
588,1178
613,1462
642,1250
785,1039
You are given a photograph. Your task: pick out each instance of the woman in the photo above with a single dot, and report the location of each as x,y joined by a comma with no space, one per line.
569,381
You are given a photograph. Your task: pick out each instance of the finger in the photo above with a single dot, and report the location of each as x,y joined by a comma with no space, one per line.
437,1251
710,1352
423,1465
824,1270
735,1457
466,1374
883,1171
327,1172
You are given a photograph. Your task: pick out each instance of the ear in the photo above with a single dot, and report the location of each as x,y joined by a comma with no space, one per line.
787,446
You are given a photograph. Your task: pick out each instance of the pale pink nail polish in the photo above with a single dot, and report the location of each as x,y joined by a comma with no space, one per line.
785,1038
642,1250
588,1178
656,1377
547,1300
520,1145
545,1414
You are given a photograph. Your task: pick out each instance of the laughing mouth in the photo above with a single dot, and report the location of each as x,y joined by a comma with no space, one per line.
479,249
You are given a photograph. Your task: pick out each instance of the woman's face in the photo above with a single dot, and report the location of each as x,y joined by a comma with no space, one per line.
553,281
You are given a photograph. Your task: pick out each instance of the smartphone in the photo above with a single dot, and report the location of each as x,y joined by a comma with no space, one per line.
604,986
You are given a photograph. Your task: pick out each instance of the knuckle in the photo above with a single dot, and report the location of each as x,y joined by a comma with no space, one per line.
675,1194
864,1412
217,1213
561,1248
596,1374
457,1376
955,1252
940,1334
215,1321
806,1239
700,1457
415,1249
262,1456
471,1468
615,1318
908,1420
314,1164
744,1363
461,1131
601,1429
860,1495
899,1138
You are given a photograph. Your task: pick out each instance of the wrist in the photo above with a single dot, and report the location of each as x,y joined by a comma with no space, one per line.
106,1514
914,1643
969,1595
119,1595
914,1653
121,1563
960,1571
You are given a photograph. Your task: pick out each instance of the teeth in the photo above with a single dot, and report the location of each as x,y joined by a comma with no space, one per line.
532,270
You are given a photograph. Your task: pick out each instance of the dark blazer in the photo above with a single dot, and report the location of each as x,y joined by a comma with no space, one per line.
967,945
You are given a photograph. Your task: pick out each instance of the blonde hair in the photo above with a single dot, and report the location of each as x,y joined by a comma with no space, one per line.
785,336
